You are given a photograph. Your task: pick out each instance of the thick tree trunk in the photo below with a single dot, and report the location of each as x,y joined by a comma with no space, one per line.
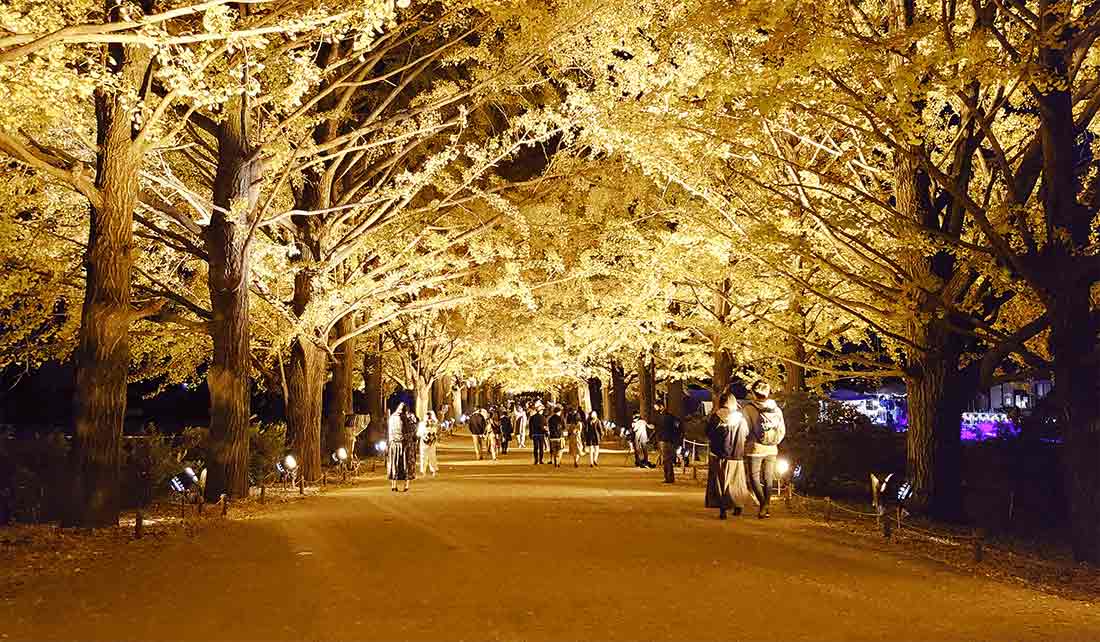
797,405
605,399
340,389
440,393
471,398
102,356
618,391
228,280
647,388
372,383
423,390
584,401
937,395
305,386
722,375
1073,343
456,401
676,398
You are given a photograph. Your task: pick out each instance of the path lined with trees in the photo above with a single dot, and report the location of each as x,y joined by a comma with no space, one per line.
465,198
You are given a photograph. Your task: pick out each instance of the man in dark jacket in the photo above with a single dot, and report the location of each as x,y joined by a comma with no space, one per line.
505,430
537,425
477,431
671,435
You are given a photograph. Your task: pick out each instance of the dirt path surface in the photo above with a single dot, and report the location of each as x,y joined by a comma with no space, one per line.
508,551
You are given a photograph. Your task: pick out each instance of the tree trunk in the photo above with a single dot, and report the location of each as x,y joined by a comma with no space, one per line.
372,383
605,399
423,390
647,388
102,356
618,387
1073,335
471,398
228,280
340,389
937,395
440,393
305,386
722,375
676,398
584,400
456,400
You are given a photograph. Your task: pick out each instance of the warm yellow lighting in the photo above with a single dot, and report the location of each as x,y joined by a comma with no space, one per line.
782,466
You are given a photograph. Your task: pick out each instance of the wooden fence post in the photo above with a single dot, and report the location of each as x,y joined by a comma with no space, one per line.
139,525
225,505
263,490
979,544
828,508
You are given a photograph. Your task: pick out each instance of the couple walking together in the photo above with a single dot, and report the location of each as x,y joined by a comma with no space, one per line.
744,443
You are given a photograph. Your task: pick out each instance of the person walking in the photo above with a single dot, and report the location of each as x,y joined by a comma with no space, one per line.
477,431
428,432
726,433
397,468
573,423
591,430
555,429
671,435
492,434
766,431
640,434
521,425
505,423
538,434
412,442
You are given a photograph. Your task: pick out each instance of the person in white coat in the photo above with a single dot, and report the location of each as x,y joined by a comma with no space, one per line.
428,435
521,425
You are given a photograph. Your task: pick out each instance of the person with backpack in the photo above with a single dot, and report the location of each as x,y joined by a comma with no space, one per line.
766,431
477,431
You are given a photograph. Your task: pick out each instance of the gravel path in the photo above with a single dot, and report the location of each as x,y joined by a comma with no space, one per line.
509,551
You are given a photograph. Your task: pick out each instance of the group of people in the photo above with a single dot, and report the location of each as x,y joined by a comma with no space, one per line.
553,431
409,442
744,443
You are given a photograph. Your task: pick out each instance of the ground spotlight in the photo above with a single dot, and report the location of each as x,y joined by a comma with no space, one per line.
782,466
184,481
463,419
288,464
381,446
340,455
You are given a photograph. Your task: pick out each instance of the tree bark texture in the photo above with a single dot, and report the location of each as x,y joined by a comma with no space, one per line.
305,386
340,389
675,403
372,383
102,356
618,388
226,241
647,387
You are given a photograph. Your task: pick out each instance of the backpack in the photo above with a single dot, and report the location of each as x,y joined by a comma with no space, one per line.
772,429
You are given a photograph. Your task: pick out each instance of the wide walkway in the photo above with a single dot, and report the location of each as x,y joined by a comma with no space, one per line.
507,551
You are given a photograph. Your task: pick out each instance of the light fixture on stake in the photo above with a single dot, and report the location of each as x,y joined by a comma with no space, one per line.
184,481
782,467
340,455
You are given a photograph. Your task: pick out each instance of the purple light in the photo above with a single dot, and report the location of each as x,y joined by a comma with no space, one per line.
982,430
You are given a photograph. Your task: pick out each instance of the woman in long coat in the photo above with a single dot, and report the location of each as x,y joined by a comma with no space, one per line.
726,432
590,437
574,423
397,456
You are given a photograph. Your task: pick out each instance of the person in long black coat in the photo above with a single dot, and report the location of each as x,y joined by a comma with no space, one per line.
537,424
726,433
